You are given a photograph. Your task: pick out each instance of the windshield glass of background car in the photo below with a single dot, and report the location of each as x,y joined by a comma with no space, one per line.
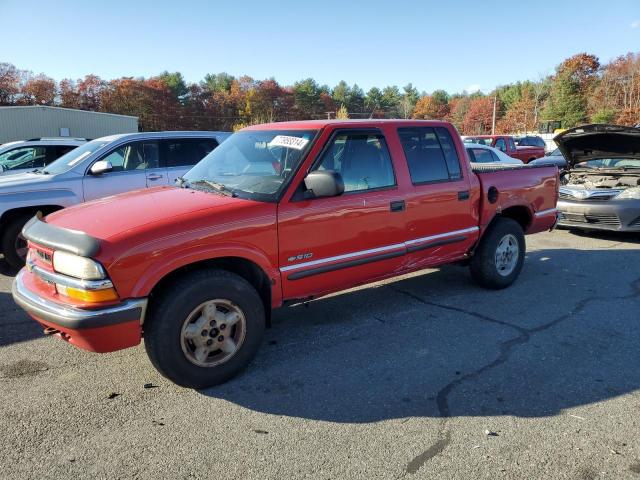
612,163
255,162
75,156
20,156
480,141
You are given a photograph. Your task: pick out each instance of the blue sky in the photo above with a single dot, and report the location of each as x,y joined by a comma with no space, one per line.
454,45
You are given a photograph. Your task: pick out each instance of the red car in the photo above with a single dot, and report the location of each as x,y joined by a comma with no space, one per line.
506,144
279,213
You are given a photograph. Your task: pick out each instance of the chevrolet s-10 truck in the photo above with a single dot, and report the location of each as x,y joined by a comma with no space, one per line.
277,214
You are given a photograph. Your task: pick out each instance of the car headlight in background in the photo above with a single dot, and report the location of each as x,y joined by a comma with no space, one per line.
76,266
629,193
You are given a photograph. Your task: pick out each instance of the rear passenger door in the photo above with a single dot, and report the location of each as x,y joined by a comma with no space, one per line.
442,221
180,154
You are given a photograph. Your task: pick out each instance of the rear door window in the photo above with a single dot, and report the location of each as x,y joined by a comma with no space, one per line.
430,154
185,152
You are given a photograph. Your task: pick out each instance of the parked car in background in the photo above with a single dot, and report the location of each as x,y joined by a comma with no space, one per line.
279,213
530,141
101,167
489,155
506,144
602,185
554,157
25,155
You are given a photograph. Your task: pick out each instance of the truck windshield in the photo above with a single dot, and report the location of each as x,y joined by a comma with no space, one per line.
254,164
69,160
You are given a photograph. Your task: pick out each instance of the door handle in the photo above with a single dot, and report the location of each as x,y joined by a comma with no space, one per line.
397,206
464,195
154,176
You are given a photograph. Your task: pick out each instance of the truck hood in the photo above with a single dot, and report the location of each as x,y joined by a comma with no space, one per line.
126,213
591,142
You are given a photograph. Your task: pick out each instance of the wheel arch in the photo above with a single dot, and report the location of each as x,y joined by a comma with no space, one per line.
14,213
243,267
519,213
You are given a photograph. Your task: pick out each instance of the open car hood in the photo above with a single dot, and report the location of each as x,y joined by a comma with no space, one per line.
591,142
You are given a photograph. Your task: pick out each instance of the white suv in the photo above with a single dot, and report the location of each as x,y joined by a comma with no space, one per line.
25,155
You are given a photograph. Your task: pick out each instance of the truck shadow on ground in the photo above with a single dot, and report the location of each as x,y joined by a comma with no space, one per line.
15,325
436,345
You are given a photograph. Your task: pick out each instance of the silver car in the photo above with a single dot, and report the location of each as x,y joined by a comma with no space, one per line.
99,168
24,155
601,188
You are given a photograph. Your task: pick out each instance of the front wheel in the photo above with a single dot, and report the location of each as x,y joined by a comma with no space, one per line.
204,328
499,258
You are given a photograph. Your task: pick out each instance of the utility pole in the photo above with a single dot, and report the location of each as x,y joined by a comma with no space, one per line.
493,119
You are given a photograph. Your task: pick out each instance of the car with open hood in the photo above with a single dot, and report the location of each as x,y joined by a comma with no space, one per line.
601,188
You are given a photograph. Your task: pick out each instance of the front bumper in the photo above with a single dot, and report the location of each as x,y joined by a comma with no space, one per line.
98,330
610,215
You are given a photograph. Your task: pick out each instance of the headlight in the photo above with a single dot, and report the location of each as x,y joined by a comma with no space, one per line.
632,193
76,266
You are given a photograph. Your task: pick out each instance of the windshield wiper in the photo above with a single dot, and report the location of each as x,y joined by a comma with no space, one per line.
218,187
182,183
39,171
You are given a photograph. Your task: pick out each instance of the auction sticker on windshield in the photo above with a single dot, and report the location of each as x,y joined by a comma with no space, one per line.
297,143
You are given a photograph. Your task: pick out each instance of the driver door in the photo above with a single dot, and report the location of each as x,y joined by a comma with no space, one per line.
132,164
327,244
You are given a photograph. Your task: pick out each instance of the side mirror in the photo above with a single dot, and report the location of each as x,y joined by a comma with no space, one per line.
1,168
100,167
323,183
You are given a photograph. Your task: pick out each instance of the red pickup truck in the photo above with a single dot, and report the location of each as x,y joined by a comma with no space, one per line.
506,144
279,213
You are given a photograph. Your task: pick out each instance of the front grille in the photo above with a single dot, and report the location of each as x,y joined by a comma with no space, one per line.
603,219
635,223
606,220
567,196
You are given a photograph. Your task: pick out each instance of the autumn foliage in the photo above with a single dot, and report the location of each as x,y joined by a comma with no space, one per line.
581,90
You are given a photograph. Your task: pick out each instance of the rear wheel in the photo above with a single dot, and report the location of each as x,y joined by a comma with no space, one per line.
499,257
14,245
204,328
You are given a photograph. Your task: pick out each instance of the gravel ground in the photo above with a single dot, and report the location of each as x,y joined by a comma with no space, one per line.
427,376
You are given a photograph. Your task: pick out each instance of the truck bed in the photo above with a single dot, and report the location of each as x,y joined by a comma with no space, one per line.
506,186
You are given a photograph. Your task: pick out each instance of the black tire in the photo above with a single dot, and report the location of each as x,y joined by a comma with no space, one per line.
483,267
9,238
172,306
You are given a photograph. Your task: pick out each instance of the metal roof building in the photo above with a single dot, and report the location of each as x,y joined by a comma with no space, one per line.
21,123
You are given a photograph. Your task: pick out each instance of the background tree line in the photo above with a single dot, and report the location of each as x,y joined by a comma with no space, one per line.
580,90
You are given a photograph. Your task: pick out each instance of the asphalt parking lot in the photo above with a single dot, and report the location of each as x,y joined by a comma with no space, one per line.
428,376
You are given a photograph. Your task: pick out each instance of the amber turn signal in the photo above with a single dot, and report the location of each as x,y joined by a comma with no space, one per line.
89,296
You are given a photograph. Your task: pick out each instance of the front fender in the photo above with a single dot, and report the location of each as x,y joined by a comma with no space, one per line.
36,198
164,263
